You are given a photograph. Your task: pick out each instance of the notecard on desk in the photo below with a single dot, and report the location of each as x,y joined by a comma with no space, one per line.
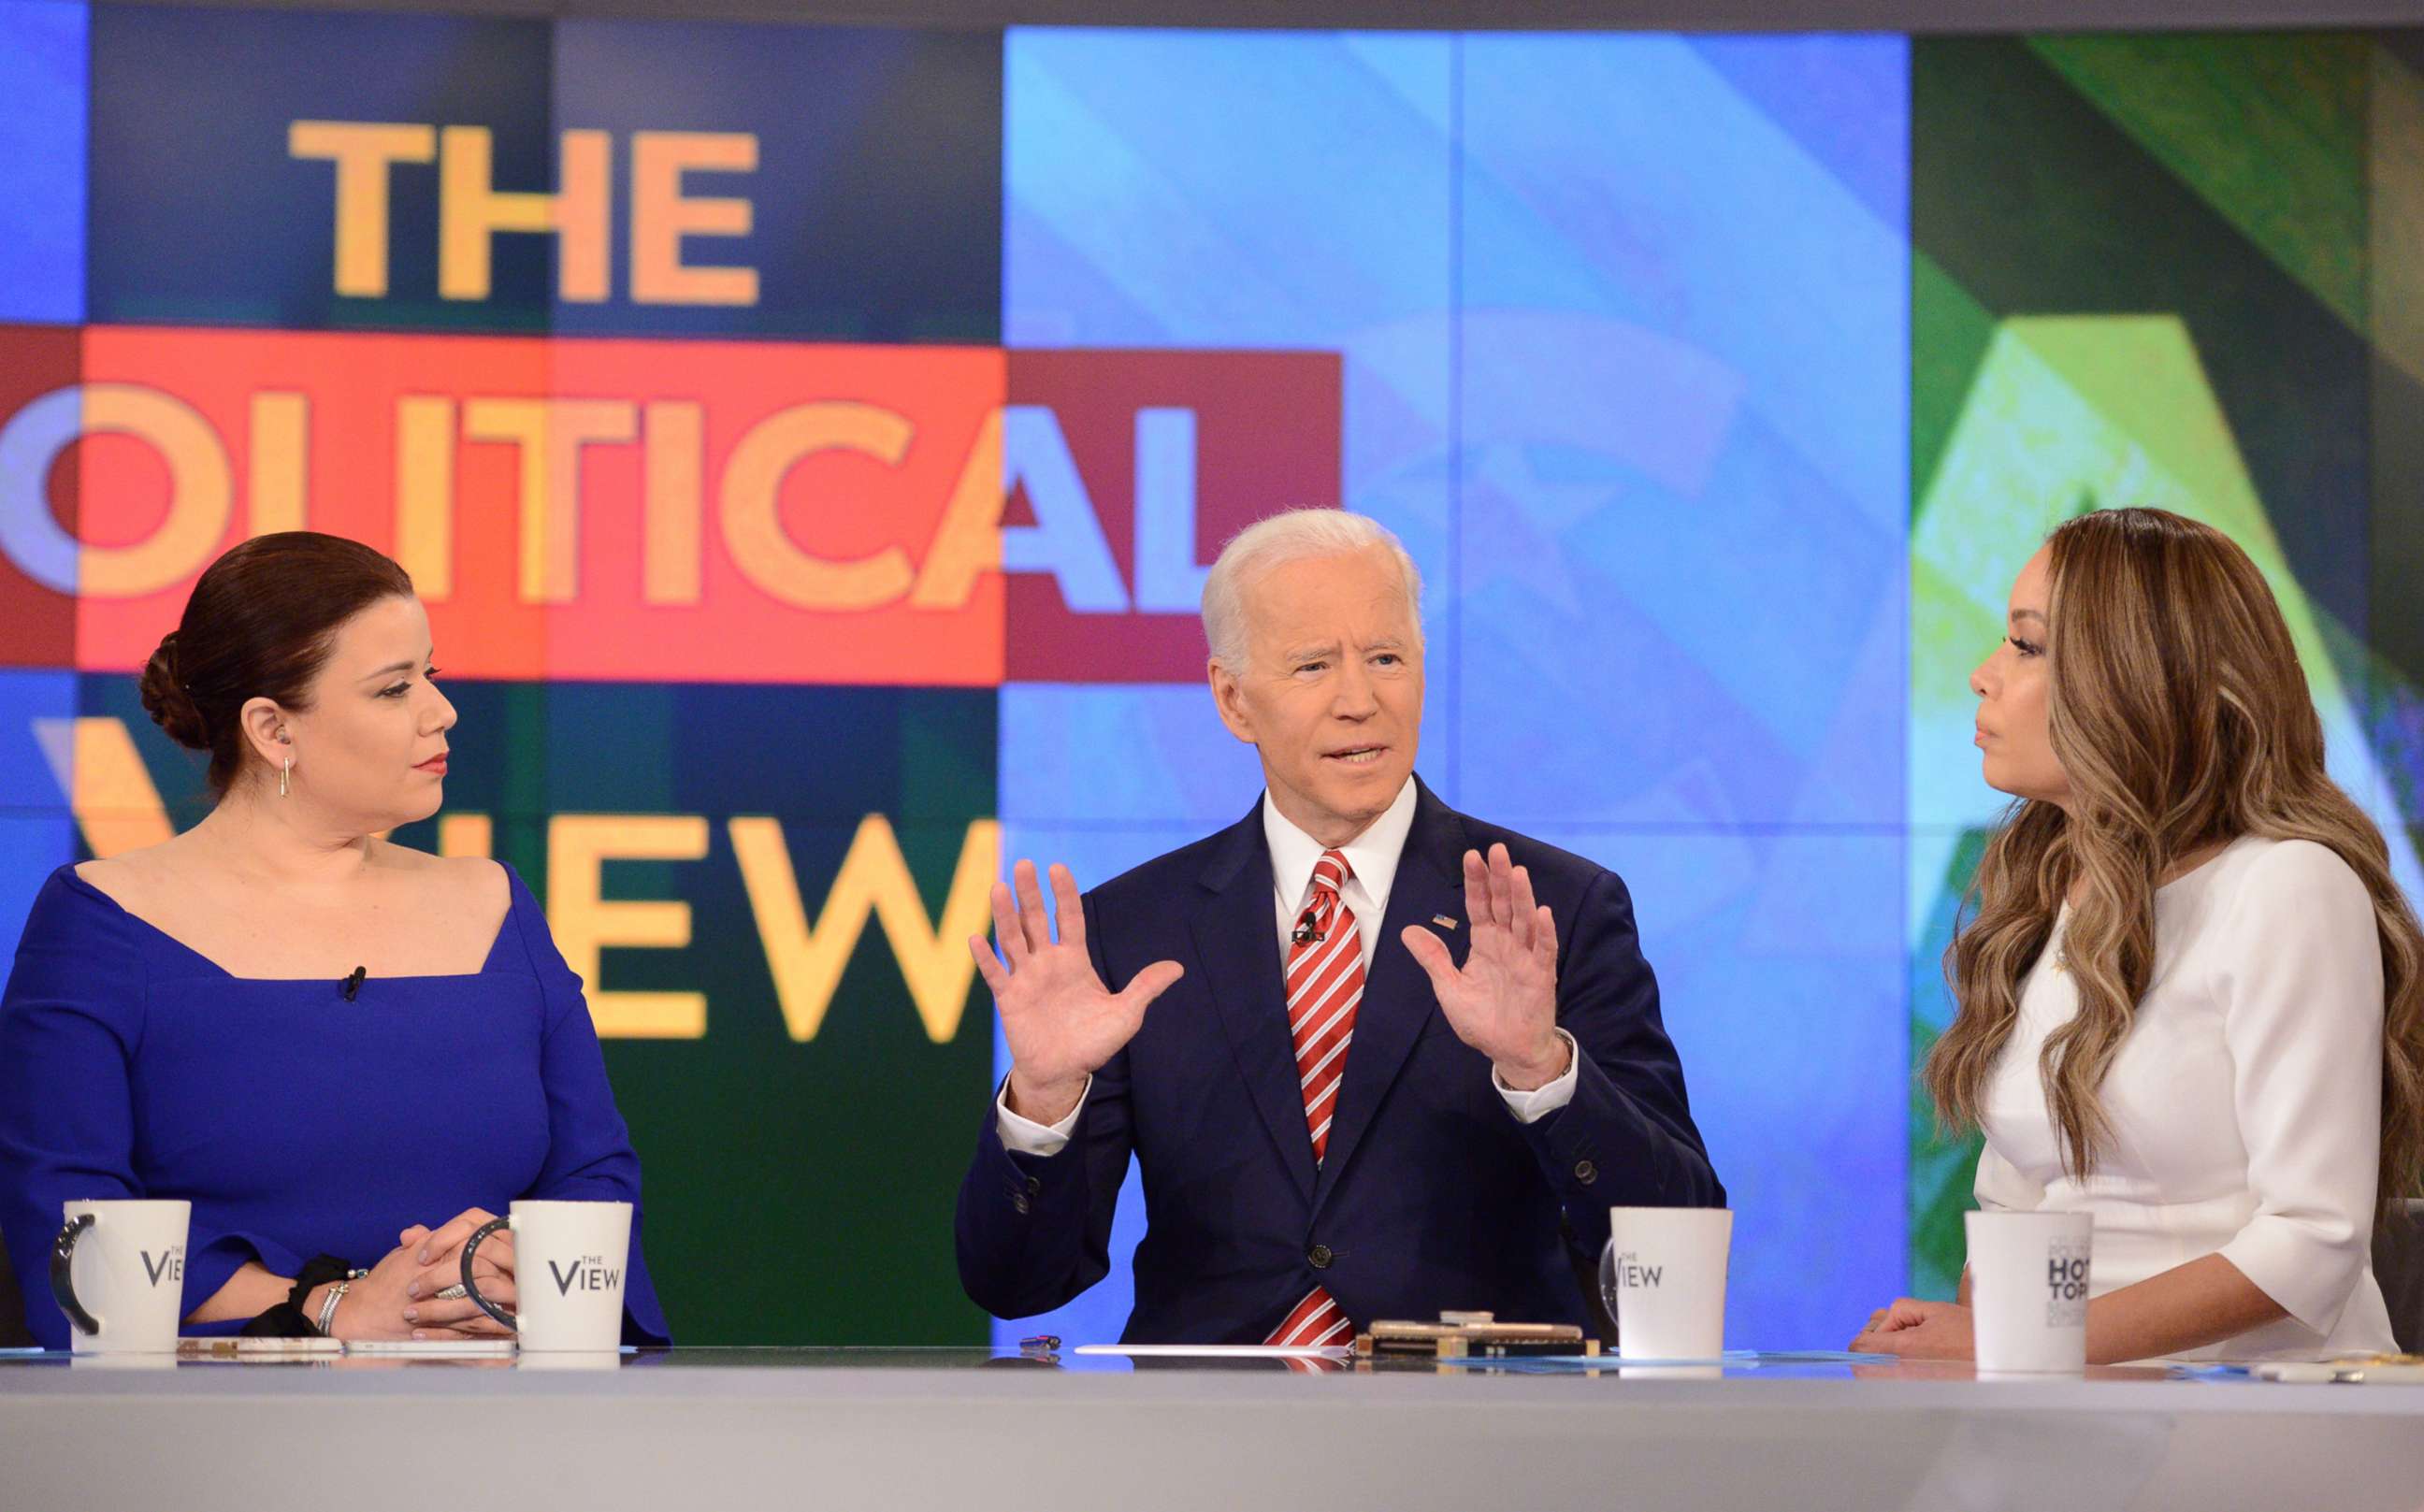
432,1349
267,1351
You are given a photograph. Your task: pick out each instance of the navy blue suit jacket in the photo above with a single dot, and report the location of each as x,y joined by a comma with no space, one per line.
1432,1195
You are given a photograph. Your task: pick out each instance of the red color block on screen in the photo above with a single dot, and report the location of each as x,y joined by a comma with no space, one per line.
621,510
615,509
1266,428
36,619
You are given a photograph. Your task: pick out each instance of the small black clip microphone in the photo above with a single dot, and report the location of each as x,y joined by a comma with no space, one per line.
1304,933
353,983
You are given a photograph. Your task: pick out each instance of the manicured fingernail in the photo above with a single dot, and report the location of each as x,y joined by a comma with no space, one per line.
417,1334
410,1314
425,1254
413,1288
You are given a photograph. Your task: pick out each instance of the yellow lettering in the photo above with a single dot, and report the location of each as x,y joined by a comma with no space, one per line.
674,454
661,216
94,761
466,835
282,460
752,505
363,152
470,212
968,543
807,963
551,433
200,492
584,923
424,493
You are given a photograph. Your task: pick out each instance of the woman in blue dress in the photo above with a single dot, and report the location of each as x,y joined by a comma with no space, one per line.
346,1054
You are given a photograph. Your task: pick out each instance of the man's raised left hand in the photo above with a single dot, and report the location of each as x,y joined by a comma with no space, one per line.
1504,1000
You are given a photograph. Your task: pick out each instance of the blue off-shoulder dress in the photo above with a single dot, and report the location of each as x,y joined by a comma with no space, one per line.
296,1122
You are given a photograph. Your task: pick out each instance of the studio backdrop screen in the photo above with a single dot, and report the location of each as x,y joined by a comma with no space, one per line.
810,441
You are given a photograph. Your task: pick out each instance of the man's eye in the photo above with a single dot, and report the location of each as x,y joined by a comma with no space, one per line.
1311,666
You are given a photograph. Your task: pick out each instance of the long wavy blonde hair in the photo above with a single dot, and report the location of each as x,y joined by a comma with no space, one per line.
2181,719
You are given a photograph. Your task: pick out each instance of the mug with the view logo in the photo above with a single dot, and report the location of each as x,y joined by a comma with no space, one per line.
2028,1291
1664,1278
569,1263
117,1270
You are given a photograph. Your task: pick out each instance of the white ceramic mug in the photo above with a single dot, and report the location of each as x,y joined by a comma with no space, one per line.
2028,1291
1664,1278
117,1271
570,1263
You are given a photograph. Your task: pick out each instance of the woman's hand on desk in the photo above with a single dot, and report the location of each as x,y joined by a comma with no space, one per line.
436,1318
399,1299
372,1307
1917,1330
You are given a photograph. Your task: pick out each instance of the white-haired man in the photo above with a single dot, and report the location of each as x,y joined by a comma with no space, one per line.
1397,1061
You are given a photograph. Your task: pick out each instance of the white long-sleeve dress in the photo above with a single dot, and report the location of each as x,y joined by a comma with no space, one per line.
2245,1102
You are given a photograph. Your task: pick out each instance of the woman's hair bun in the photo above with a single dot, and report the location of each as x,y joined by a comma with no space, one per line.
167,701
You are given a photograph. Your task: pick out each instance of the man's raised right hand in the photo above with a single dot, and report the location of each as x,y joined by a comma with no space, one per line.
1061,1020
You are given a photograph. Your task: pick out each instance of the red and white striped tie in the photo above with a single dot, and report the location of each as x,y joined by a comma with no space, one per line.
1325,982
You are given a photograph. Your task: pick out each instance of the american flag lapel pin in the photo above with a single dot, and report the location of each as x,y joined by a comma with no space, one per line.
1443,921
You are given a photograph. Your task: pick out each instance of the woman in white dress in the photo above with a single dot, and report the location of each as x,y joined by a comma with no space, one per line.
2192,999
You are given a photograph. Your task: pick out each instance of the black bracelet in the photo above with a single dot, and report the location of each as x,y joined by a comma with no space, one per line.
288,1320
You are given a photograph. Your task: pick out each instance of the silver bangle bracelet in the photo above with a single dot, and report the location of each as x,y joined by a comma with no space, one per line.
328,1304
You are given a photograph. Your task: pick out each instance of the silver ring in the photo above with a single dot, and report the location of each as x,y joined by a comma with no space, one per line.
451,1294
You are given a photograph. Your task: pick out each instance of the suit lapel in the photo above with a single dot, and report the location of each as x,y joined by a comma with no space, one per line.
1397,998
1236,939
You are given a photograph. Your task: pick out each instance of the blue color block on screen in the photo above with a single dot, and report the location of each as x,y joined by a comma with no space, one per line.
37,835
1781,979
1121,757
1685,412
1205,190
43,88
1209,189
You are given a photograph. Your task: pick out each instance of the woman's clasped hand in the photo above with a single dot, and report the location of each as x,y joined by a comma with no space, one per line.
403,1296
1916,1329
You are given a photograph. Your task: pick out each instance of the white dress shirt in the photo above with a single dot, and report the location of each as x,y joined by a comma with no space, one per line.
2246,1101
1372,862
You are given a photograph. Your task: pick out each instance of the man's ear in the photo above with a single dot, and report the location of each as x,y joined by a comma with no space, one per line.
1227,696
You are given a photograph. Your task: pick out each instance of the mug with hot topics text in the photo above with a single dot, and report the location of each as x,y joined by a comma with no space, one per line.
2028,1291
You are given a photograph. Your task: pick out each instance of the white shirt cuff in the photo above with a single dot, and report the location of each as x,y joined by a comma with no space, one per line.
1538,1103
1028,1137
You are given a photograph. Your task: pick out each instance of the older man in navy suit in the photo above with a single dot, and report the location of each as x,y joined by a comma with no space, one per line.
1377,1058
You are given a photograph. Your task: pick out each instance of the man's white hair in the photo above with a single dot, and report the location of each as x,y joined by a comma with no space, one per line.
1299,534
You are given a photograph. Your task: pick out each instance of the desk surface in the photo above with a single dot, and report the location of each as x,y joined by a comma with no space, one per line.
971,1430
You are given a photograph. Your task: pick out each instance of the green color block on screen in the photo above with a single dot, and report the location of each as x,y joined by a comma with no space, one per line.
2267,129
2101,409
1949,332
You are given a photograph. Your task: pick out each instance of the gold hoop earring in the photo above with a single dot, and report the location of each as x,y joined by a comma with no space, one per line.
283,773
